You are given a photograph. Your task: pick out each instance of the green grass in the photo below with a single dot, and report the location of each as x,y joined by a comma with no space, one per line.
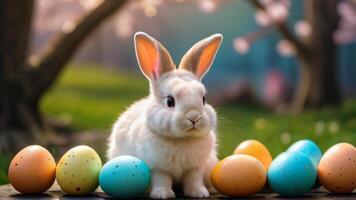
277,132
4,162
92,97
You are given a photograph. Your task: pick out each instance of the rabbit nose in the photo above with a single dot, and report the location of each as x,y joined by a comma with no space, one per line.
193,116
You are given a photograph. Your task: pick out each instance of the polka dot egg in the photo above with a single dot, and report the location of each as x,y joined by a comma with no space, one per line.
78,171
125,177
32,170
337,168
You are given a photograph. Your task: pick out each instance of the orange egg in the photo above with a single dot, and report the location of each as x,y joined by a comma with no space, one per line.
337,168
239,176
32,170
256,149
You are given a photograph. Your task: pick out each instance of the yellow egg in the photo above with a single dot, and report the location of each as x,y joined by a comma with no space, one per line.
78,171
239,176
256,149
32,170
337,168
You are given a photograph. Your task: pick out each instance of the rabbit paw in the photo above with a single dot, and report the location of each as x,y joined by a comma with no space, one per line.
212,190
162,193
197,192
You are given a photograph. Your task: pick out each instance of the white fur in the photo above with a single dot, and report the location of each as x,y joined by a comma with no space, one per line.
163,138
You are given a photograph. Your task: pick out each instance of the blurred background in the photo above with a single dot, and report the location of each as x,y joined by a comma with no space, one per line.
286,69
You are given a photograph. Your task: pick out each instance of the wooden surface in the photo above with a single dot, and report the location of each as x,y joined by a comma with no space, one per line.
54,193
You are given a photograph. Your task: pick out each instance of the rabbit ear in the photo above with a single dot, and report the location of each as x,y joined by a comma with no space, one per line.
153,58
200,57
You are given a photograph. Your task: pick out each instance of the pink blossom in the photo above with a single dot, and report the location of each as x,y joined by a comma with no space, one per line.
262,18
286,48
278,12
303,28
241,45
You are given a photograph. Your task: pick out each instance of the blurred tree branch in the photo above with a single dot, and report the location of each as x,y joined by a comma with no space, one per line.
317,83
302,52
302,49
53,58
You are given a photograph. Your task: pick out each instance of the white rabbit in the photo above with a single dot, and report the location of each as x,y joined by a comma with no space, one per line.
173,130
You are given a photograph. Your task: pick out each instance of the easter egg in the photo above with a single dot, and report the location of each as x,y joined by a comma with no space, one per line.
255,149
292,174
125,177
309,148
78,171
337,168
239,176
32,170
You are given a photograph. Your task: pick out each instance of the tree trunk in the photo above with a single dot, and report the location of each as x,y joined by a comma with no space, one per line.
22,84
323,17
16,111
303,87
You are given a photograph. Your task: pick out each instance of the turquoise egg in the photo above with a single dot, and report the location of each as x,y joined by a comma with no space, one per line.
125,177
309,148
292,174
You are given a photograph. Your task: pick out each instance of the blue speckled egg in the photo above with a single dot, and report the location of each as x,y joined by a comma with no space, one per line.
292,174
309,148
125,177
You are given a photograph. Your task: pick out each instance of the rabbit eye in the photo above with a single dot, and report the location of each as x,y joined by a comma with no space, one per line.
170,101
203,100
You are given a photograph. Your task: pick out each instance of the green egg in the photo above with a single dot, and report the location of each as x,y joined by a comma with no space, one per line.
78,170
